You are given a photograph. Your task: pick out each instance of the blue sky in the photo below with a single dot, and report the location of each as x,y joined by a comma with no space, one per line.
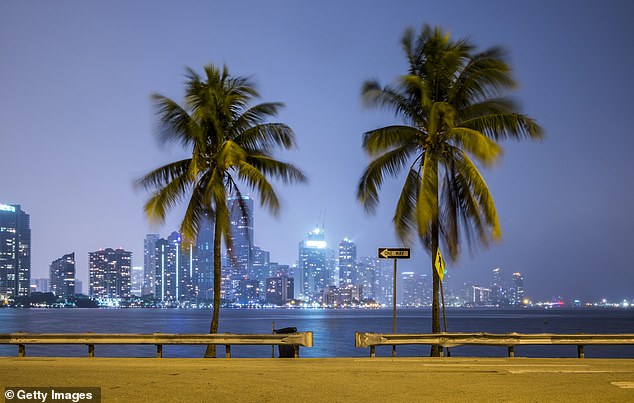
76,123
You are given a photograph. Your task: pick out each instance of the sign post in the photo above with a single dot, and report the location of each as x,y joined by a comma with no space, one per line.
440,269
394,253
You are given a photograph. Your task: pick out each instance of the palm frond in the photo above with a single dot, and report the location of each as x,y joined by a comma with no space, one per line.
503,126
255,115
254,178
175,123
389,163
164,175
486,75
491,106
390,98
386,138
405,214
266,137
230,155
427,203
472,141
166,198
480,190
270,167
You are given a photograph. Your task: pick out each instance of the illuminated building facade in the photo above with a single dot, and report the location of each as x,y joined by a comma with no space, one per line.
241,222
205,259
347,261
136,282
498,289
149,263
62,276
517,291
279,290
15,252
109,273
313,275
175,270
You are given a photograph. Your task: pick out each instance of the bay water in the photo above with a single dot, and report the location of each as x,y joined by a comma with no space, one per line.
333,330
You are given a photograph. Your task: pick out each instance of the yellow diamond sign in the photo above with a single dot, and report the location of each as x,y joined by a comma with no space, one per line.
440,265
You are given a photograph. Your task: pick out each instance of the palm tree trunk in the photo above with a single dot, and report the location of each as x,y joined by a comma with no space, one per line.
435,306
211,349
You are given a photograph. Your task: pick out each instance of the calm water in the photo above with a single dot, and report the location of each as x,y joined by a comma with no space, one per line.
333,329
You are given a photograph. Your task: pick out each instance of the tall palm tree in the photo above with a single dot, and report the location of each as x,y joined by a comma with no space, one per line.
455,107
231,146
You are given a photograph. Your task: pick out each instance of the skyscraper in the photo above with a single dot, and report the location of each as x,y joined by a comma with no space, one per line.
416,289
367,275
241,222
498,288
15,252
62,276
347,261
109,272
312,264
175,270
149,263
260,266
517,291
205,258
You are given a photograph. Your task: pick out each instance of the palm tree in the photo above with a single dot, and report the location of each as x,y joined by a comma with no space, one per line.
231,146
455,107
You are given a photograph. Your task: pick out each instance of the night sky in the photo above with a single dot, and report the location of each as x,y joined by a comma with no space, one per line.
77,124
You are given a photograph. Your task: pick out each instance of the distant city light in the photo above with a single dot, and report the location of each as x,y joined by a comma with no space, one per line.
6,207
316,244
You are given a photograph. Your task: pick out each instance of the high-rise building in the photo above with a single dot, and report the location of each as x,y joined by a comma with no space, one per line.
385,291
498,288
279,290
15,252
149,263
109,272
517,291
41,284
260,266
62,276
136,282
312,270
279,270
248,292
205,259
347,261
175,270
416,290
241,222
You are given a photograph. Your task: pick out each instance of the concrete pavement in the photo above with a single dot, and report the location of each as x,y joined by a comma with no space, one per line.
331,379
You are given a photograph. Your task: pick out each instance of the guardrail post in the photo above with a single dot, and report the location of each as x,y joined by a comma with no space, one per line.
580,352
21,350
511,352
228,351
441,351
296,350
372,352
91,350
159,351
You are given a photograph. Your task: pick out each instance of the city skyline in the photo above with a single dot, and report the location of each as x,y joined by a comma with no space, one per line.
563,204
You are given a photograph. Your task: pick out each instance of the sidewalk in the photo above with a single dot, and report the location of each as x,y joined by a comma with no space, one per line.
331,379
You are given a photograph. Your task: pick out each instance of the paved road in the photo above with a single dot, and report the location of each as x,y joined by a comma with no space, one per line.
331,379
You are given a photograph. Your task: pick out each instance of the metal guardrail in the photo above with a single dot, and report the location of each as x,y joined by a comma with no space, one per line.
304,339
509,340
